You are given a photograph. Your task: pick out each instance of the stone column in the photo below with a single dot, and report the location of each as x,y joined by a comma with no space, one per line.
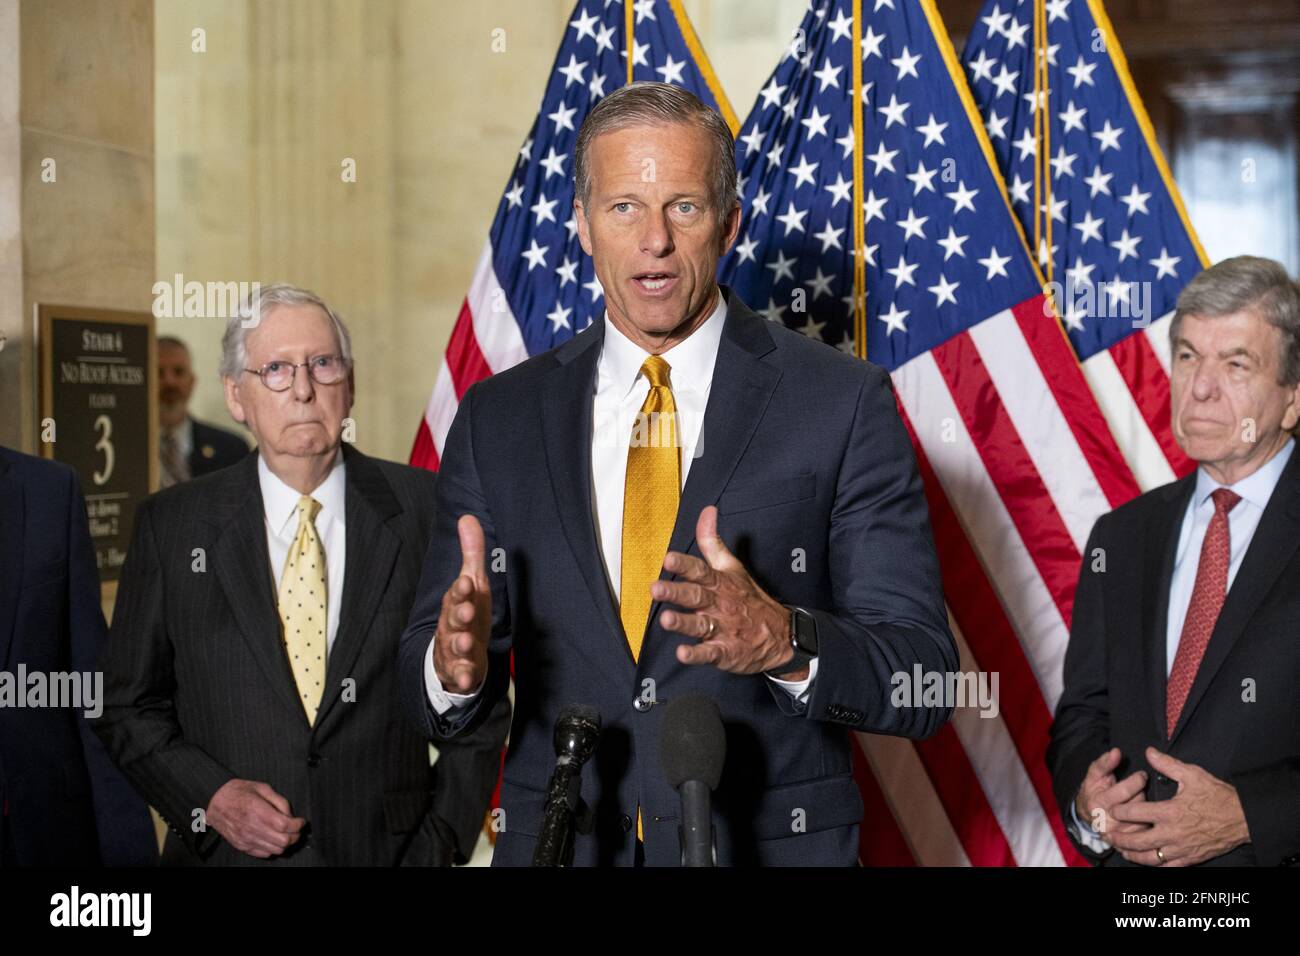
76,175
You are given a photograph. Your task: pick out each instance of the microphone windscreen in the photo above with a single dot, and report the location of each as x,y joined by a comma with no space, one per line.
692,742
581,712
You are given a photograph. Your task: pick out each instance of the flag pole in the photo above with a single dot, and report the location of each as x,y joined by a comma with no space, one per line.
1038,146
1040,66
629,15
859,224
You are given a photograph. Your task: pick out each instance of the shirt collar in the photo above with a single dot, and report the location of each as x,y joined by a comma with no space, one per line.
280,502
691,360
1257,487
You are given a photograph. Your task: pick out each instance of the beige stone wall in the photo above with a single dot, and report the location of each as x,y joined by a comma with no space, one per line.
251,135
13,371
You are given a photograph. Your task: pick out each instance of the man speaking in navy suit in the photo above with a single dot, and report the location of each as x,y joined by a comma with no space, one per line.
684,499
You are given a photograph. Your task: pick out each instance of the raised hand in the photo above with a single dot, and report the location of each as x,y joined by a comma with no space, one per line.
740,627
465,622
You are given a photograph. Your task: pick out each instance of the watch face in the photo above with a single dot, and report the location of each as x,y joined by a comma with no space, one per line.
803,630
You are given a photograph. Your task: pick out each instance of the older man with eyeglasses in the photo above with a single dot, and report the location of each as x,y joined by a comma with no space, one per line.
250,687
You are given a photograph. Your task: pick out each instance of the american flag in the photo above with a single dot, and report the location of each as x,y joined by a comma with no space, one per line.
1089,163
1015,454
534,288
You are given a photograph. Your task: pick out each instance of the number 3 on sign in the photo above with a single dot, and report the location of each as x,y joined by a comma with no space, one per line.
104,425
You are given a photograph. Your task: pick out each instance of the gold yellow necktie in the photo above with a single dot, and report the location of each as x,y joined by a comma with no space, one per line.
303,606
650,495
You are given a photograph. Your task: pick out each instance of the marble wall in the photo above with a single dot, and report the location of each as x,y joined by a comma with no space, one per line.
76,173
13,371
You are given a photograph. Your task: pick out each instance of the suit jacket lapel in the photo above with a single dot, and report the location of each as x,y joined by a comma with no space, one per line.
244,571
12,520
742,386
565,409
371,552
1161,544
1271,550
741,389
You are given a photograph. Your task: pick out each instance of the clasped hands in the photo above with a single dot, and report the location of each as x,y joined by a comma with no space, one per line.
1204,819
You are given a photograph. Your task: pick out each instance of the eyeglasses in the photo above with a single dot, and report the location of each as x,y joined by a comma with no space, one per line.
323,369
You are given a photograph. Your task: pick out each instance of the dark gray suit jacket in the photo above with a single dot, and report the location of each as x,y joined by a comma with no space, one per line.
805,455
199,690
1115,674
214,448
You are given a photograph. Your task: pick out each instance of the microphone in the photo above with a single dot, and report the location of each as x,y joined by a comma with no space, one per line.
692,748
576,734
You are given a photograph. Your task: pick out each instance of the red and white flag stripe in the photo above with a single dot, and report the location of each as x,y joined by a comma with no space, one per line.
1131,383
1018,464
484,340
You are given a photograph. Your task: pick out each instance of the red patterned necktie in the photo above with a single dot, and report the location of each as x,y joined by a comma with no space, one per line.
1207,601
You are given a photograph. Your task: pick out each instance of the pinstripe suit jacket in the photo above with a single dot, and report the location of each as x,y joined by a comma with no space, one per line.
198,689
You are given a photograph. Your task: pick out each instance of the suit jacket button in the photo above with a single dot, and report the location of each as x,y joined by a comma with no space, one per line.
1161,778
625,822
642,705
313,760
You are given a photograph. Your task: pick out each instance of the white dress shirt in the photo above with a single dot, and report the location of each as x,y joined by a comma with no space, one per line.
184,437
280,503
1255,490
620,392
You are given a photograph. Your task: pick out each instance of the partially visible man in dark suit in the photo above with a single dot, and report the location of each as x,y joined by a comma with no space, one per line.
62,802
1177,735
250,687
684,499
187,447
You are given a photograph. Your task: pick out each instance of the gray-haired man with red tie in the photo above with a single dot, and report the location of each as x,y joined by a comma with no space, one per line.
1177,736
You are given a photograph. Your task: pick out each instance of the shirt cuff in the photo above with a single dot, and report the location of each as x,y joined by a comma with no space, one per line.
1086,834
442,700
798,689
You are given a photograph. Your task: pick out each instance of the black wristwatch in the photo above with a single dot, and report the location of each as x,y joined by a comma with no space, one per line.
803,638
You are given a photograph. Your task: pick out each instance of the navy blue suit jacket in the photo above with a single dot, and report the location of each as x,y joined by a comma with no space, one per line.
805,455
66,803
214,448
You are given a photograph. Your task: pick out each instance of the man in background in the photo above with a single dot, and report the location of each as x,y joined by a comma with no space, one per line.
250,686
187,447
1177,736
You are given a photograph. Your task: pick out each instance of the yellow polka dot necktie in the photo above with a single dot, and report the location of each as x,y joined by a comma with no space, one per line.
303,606
650,496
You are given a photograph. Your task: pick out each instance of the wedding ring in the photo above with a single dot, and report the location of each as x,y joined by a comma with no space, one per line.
1160,854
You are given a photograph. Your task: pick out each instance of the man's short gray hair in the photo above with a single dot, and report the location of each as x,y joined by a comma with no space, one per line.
657,104
1248,283
234,357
